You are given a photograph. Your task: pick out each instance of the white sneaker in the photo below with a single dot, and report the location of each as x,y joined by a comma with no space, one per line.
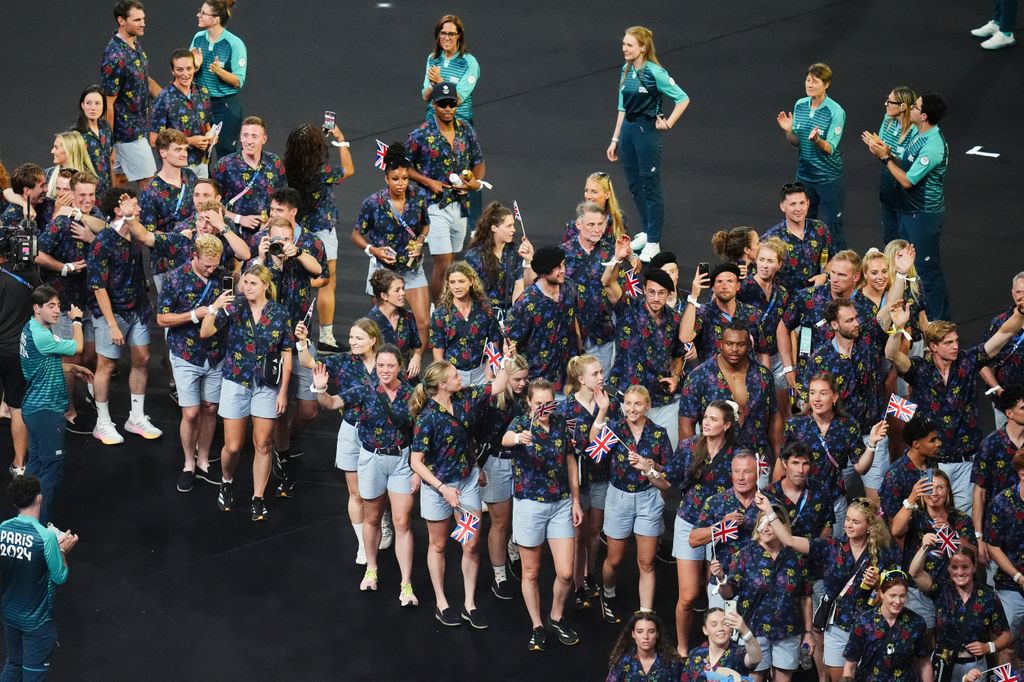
387,533
998,41
361,557
106,433
142,427
989,29
639,241
650,251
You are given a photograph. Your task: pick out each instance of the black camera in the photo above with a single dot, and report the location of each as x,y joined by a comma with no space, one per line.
18,245
276,247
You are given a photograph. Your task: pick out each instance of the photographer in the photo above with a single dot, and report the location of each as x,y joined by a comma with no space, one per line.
15,308
46,394
297,260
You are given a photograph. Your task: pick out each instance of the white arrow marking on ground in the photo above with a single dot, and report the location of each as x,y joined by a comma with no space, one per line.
976,151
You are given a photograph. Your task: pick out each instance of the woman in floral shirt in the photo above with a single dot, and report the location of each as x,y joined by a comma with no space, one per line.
888,642
969,619
258,329
504,270
642,654
92,124
463,323
720,651
634,504
397,324
772,588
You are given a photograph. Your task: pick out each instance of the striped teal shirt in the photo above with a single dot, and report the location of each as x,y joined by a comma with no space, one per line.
925,164
462,70
815,165
31,567
890,131
232,54
41,352
640,91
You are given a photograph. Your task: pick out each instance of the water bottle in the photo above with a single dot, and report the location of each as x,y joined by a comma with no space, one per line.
806,662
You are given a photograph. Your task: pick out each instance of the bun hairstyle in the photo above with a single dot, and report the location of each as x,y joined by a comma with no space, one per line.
396,157
730,244
222,8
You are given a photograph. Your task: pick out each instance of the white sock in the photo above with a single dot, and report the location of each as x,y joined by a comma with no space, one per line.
499,573
102,413
326,334
385,519
358,528
138,406
609,592
89,388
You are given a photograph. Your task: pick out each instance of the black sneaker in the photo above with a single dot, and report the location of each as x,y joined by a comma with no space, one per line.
592,588
566,635
608,610
327,348
211,475
226,496
582,599
83,426
502,589
664,554
185,481
474,618
286,488
538,640
449,617
259,510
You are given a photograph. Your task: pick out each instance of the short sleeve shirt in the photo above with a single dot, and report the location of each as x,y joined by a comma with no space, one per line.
431,155
1004,528
584,269
247,190
710,321
405,335
811,513
1008,364
899,480
714,510
115,264
231,52
249,341
322,212
841,444
191,114
56,241
814,165
349,375
183,291
858,377
979,619
641,91
644,348
545,331
501,284
698,482
834,558
100,146
383,422
463,338
699,662
807,257
993,465
124,74
443,437
885,652
381,225
162,206
770,310
769,591
540,469
653,444
925,161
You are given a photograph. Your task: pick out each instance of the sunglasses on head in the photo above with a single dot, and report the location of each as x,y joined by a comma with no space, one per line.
794,187
894,574
446,103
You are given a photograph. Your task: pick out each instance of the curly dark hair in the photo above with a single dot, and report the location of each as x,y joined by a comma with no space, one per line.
483,238
396,157
624,644
305,153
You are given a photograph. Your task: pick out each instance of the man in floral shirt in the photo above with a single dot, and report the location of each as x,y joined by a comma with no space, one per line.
543,320
441,146
647,347
730,374
808,503
1007,368
944,385
167,199
124,77
196,362
808,239
703,325
1004,535
585,257
183,105
121,314
993,470
248,178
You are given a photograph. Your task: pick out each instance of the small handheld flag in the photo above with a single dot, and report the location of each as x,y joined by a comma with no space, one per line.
1003,673
518,215
724,530
602,445
633,288
948,541
382,149
466,527
494,357
762,465
901,408
544,410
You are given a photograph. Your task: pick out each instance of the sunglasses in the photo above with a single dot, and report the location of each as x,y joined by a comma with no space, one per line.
794,187
446,103
600,174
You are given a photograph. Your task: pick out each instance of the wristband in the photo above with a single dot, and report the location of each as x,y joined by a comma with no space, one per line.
907,505
301,345
787,369
68,267
195,318
77,214
367,251
652,474
991,647
76,320
886,160
1016,576
994,389
314,389
745,638
344,143
615,140
692,299
527,263
516,437
900,275
978,534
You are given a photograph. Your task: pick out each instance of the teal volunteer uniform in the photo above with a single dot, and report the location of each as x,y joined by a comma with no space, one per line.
224,101
822,173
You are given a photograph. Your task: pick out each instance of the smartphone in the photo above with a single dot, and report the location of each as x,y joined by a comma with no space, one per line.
227,283
730,606
805,337
929,476
704,269
328,121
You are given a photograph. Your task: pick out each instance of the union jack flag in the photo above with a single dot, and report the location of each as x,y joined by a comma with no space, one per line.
948,541
494,357
724,530
382,149
633,288
901,408
602,445
466,527
1003,673
515,211
544,410
762,465
571,424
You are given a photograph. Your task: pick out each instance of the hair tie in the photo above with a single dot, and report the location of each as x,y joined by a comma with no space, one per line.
735,407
